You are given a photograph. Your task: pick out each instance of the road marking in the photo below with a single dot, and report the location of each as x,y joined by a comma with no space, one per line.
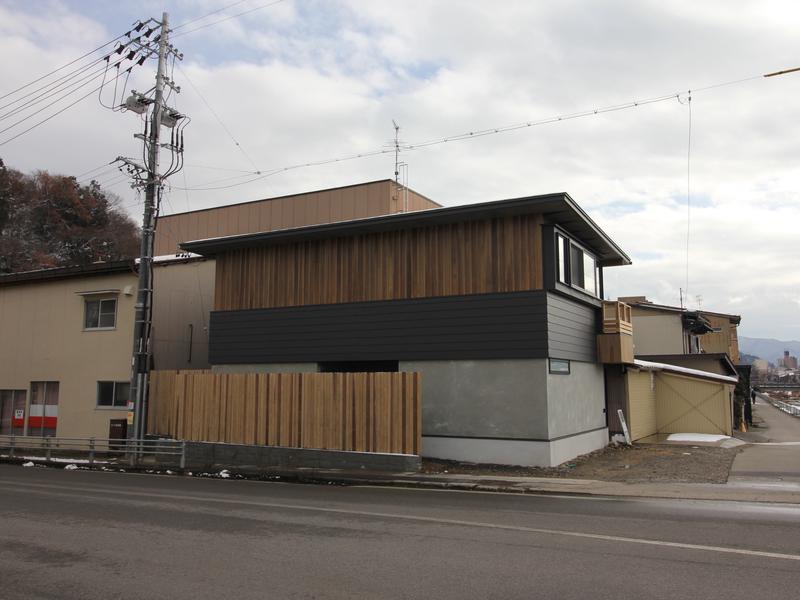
416,518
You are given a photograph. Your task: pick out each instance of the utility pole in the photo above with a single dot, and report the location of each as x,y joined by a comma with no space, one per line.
149,177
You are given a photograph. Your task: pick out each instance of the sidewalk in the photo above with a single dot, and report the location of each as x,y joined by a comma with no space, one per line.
740,492
773,458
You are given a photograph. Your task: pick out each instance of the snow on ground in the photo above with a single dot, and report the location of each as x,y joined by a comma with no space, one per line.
70,467
696,437
27,464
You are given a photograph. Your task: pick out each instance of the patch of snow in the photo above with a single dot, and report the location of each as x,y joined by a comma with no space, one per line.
70,467
27,464
168,472
696,437
224,474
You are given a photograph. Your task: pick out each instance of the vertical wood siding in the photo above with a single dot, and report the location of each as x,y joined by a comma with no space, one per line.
479,257
324,206
363,412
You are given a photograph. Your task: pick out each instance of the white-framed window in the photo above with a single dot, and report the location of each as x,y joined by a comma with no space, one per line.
100,313
559,366
113,394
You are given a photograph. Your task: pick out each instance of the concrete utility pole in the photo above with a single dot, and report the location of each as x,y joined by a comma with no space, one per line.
141,334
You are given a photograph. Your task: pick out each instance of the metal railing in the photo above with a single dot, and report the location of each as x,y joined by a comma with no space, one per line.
787,407
92,451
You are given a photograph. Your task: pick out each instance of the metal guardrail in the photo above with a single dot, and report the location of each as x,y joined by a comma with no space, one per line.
787,407
95,450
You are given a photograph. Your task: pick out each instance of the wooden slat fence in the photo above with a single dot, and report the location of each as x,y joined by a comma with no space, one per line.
364,412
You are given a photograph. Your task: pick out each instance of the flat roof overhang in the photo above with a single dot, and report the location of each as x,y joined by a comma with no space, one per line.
559,209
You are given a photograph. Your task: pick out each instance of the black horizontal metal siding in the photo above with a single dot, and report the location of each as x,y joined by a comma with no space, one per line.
571,329
485,326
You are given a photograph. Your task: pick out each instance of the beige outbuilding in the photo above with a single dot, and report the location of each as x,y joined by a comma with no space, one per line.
665,399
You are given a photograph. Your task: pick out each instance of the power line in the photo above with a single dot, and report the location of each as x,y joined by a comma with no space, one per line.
485,132
54,83
56,91
62,67
85,173
688,189
213,12
55,114
227,18
219,120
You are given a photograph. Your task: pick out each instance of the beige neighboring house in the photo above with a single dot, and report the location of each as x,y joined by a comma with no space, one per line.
67,338
66,346
659,329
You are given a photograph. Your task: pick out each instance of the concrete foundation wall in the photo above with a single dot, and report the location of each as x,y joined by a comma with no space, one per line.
213,456
514,452
483,398
576,402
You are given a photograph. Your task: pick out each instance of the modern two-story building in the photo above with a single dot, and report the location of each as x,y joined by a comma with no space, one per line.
496,304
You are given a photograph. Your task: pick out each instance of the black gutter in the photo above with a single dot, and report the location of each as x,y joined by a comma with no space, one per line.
66,272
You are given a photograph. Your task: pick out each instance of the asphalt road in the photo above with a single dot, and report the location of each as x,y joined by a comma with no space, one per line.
80,534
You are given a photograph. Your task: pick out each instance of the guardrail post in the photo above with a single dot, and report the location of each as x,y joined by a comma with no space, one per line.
48,451
183,455
11,449
91,451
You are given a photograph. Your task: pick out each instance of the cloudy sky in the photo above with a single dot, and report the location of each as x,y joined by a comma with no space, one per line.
307,80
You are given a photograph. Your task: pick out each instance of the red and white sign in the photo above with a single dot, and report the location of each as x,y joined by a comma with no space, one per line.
19,418
43,415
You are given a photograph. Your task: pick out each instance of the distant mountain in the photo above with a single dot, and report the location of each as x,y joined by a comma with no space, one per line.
768,348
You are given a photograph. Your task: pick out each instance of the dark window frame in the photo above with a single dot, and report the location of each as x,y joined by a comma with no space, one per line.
567,253
118,402
98,322
564,361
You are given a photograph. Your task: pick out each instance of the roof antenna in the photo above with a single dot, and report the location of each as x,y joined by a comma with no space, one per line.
396,152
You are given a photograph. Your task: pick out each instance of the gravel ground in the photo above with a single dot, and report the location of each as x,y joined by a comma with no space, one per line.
634,464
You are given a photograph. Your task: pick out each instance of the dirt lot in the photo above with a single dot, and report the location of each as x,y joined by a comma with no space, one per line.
635,464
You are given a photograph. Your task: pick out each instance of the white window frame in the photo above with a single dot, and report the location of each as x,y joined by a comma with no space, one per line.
555,370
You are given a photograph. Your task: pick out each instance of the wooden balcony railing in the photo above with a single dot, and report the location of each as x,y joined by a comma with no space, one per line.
617,317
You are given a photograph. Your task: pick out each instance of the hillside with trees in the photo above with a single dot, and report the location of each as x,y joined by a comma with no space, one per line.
53,221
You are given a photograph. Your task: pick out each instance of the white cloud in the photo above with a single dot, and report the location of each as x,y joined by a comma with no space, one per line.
312,80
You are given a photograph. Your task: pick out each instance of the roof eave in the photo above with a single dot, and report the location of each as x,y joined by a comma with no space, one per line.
612,256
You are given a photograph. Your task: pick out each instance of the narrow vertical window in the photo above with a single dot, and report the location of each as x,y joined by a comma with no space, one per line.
561,249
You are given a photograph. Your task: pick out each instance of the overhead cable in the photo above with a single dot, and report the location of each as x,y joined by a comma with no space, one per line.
485,132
